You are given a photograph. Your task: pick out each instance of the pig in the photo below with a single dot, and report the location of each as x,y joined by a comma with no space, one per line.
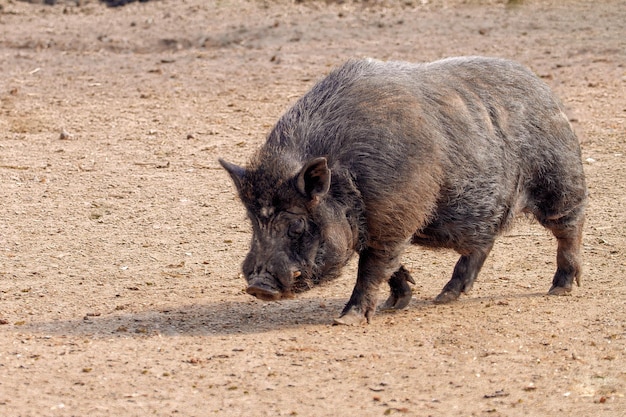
380,155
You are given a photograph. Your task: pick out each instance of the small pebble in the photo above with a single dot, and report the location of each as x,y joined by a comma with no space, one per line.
65,135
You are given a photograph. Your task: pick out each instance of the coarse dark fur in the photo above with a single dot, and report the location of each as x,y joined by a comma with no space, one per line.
382,154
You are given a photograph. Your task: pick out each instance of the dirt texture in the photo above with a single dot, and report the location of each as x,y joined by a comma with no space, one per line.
121,238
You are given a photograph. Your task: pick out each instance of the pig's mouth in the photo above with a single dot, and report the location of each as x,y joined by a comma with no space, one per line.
265,288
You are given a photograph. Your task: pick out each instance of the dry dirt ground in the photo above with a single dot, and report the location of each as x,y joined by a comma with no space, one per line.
121,238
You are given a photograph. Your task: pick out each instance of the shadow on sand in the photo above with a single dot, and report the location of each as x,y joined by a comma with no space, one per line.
234,317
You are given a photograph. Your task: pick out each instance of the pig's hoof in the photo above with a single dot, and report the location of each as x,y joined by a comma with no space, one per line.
560,291
351,318
446,297
395,302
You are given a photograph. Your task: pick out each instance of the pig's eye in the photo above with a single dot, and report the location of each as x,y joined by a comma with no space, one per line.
296,228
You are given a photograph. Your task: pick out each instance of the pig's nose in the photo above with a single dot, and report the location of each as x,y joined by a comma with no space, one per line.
263,290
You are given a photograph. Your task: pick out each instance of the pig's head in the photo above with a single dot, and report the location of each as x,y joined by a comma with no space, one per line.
302,235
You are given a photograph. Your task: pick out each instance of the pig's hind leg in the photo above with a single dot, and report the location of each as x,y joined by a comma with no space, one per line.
465,272
401,292
568,232
558,203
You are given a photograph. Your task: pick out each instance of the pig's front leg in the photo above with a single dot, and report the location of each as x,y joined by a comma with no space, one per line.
400,291
375,267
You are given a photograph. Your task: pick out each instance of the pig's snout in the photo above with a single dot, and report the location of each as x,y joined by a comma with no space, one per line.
263,289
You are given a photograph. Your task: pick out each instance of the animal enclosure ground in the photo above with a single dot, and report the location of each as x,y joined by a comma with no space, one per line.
121,237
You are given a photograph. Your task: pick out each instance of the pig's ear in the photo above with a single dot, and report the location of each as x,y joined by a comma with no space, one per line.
236,172
314,178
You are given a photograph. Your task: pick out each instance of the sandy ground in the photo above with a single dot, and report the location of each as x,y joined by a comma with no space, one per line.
121,238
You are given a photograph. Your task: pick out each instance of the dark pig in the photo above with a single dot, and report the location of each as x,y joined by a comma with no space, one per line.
380,155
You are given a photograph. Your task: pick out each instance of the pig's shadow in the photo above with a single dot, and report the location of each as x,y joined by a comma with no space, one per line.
216,318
